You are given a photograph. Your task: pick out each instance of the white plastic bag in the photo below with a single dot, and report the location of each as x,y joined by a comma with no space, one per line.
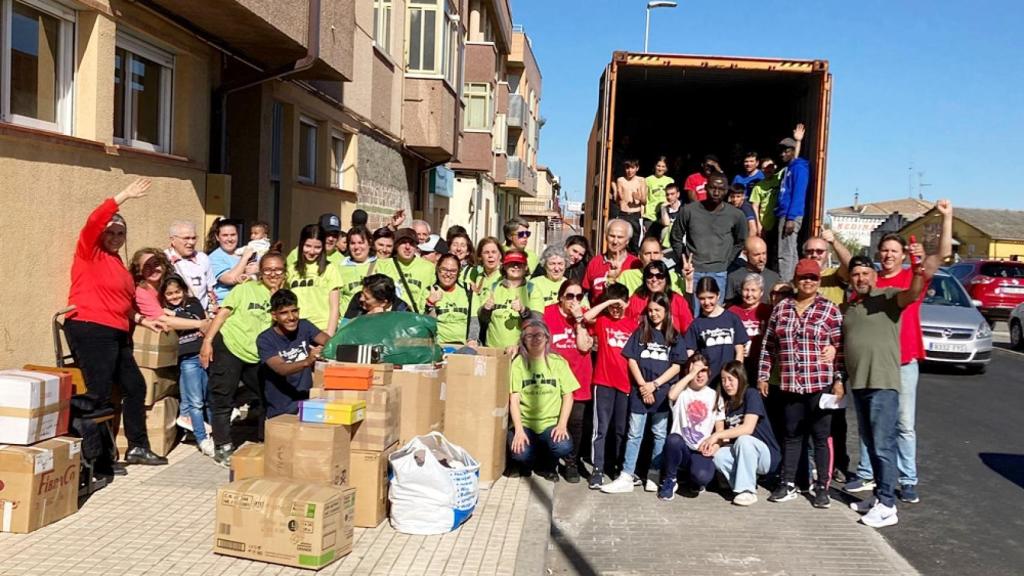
435,486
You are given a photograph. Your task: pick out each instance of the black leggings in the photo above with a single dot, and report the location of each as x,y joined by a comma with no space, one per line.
805,419
226,370
580,430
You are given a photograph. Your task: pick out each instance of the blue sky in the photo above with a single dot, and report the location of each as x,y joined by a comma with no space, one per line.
938,84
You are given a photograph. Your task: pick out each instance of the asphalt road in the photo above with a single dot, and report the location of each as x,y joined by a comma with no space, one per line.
971,467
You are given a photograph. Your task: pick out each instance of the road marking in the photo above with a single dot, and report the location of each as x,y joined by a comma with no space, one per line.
1009,350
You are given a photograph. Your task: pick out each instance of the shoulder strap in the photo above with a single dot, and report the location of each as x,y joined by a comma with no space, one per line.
369,270
469,309
405,284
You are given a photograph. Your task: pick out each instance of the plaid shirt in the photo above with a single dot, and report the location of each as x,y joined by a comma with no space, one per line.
796,343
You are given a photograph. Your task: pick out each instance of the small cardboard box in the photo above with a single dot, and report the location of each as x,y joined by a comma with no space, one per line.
338,377
305,451
301,524
38,484
423,407
161,428
381,372
476,407
154,350
160,383
368,474
379,429
34,405
247,462
320,411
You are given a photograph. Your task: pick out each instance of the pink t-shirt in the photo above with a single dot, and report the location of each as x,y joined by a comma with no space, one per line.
911,344
563,342
612,368
148,302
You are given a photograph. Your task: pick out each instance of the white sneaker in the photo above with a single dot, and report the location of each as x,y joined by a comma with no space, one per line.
745,499
880,516
207,447
621,485
185,422
653,482
863,506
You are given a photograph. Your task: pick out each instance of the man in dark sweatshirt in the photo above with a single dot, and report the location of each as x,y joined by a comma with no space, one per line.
712,232
789,212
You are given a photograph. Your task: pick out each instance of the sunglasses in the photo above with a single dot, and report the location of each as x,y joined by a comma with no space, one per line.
655,276
523,234
577,296
815,251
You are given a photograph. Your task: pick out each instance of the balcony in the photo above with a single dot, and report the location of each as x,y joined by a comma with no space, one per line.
538,208
428,118
518,114
520,178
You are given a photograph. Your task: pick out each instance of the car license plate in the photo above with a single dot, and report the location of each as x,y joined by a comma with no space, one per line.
939,347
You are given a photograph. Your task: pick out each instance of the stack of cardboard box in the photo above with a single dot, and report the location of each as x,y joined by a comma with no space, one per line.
39,467
157,357
476,408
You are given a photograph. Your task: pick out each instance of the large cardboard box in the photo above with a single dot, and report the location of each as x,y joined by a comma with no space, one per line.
301,524
247,461
381,372
476,408
38,484
160,383
368,474
34,406
153,350
306,451
379,429
161,428
423,398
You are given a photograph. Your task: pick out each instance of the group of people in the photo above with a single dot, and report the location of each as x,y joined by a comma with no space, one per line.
694,335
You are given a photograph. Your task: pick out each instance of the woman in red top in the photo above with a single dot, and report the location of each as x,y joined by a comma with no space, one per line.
571,339
656,279
99,328
755,315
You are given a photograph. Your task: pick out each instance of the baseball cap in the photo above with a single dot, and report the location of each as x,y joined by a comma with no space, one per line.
807,267
858,261
405,235
117,220
330,223
514,257
433,244
788,143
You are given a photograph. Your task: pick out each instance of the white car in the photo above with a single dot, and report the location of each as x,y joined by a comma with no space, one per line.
1017,327
953,329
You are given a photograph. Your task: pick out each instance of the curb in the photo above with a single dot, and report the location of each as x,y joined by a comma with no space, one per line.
531,557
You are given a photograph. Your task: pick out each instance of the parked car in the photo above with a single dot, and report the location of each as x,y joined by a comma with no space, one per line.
997,284
1017,328
953,329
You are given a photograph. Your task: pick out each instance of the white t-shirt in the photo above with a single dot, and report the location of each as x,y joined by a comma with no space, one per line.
694,415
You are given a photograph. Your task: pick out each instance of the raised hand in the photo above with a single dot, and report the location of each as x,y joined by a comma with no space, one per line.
828,235
944,207
798,132
136,189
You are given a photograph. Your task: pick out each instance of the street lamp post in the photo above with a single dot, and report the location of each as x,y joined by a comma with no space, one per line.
655,4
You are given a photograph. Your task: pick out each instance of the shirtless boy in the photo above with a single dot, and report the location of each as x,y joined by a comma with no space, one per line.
630,192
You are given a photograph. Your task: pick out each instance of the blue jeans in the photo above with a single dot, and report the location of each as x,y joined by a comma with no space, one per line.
719,279
678,456
192,385
742,461
540,442
906,442
877,414
637,423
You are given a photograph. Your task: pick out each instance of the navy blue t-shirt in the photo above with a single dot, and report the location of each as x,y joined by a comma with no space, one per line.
653,359
752,404
283,393
748,181
748,210
189,341
715,338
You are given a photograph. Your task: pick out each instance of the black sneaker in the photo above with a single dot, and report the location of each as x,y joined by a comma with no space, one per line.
839,476
908,494
783,493
596,480
549,475
571,474
821,499
222,455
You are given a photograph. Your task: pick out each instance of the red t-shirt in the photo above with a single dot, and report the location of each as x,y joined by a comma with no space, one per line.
595,277
681,315
102,289
911,344
563,342
754,320
612,368
696,182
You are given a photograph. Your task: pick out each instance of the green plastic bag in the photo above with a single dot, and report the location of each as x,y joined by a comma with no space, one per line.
406,337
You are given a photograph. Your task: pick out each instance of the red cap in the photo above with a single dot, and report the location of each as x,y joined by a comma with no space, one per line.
514,256
808,267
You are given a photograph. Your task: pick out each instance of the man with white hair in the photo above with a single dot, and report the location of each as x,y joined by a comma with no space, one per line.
612,262
422,229
191,264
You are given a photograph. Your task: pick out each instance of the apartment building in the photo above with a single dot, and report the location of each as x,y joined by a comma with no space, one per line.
544,212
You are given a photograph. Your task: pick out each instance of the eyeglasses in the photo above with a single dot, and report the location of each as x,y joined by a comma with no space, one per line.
523,234
815,251
272,271
577,296
654,276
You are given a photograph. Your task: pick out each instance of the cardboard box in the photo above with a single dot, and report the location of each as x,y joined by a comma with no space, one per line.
306,452
306,525
160,383
476,408
423,407
368,474
34,406
379,429
38,484
321,411
161,428
154,350
381,372
347,377
247,462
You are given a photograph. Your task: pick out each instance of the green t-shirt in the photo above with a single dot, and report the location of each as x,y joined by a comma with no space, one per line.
314,292
503,329
633,279
250,315
871,332
766,195
351,275
656,195
453,315
419,274
541,388
545,291
476,276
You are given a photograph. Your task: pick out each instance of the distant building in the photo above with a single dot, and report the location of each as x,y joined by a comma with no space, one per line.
857,222
977,233
543,212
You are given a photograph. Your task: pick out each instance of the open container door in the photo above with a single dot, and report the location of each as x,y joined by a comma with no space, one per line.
599,171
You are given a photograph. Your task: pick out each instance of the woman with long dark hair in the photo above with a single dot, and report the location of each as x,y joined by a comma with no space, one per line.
316,281
717,333
656,280
577,257
452,303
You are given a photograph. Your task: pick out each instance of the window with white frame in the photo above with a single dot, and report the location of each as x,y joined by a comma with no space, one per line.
477,98
382,25
308,131
433,39
143,80
339,144
37,63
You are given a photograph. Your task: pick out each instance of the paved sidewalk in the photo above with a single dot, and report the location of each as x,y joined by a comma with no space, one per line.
159,521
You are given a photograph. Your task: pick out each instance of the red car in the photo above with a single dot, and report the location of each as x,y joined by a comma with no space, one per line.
997,284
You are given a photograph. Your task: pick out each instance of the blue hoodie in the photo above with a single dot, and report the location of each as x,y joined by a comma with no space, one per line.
793,192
